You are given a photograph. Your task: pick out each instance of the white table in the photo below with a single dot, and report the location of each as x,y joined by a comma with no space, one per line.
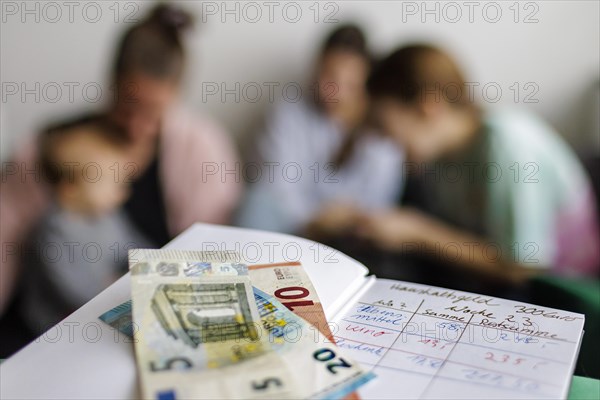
83,358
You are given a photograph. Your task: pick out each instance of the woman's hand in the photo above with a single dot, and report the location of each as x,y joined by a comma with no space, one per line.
406,229
396,229
334,219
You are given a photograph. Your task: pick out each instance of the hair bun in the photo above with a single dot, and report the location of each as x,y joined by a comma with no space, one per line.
171,17
349,37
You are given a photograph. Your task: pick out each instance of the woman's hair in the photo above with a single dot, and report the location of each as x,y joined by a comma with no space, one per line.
348,38
154,46
419,72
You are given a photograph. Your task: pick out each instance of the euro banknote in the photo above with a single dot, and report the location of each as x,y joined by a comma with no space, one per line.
205,263
211,335
289,283
189,320
320,369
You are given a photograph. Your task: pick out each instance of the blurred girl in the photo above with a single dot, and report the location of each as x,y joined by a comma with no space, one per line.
328,167
504,195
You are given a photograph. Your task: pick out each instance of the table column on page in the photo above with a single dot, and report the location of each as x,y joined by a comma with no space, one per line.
421,350
373,333
510,355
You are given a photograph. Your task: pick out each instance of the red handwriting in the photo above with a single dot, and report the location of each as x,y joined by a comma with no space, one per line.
366,331
436,344
503,358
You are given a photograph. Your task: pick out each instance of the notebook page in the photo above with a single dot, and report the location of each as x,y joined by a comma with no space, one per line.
336,277
428,342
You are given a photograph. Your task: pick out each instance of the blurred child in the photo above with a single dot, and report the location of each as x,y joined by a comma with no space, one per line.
504,195
329,166
80,246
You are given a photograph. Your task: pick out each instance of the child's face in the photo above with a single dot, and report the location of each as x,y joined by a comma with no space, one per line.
97,185
103,195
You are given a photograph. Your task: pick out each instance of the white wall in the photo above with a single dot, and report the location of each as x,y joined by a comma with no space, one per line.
558,53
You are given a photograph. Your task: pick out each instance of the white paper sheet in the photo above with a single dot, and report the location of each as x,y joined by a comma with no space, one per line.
428,342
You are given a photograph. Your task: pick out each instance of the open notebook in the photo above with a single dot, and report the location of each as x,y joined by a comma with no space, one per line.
421,342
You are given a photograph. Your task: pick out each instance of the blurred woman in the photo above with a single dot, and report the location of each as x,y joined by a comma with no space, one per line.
505,197
168,148
327,167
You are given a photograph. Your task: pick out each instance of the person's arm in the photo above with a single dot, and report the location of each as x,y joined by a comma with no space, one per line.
411,230
198,173
23,199
333,220
475,253
217,194
283,195
73,278
384,180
